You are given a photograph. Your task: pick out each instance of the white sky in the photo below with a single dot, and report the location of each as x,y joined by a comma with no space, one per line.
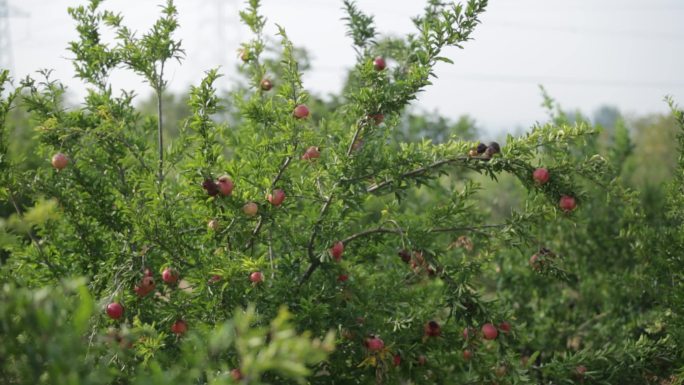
587,53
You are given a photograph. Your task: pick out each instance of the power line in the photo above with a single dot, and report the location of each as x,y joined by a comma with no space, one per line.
569,81
542,79
602,9
593,5
589,30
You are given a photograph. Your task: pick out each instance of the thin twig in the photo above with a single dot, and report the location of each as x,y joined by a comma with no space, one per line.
159,89
310,246
315,263
379,230
416,172
31,235
270,252
350,148
286,163
465,228
134,153
161,137
400,231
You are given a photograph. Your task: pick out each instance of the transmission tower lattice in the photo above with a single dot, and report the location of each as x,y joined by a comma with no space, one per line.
6,60
226,24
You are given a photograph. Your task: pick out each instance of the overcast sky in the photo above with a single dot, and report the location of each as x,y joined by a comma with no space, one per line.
587,53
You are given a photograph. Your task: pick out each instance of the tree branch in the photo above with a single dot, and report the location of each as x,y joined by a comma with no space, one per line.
315,263
465,228
260,223
419,171
286,163
350,148
379,230
314,233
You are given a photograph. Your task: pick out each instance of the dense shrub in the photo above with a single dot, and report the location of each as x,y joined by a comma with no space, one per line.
386,247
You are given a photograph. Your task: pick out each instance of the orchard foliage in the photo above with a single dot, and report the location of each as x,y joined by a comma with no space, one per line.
49,327
384,253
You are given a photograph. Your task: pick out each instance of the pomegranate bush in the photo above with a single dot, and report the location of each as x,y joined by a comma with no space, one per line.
192,247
